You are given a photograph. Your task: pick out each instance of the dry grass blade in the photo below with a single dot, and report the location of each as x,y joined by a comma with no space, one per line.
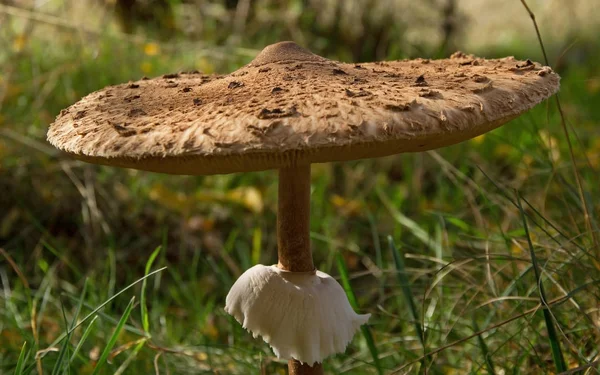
407,291
97,309
457,230
84,336
493,326
587,218
15,267
557,355
113,338
155,362
33,16
580,369
366,331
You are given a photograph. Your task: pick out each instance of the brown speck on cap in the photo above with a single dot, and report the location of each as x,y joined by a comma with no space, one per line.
278,117
420,81
235,84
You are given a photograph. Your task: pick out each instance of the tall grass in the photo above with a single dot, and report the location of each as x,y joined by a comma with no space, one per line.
475,280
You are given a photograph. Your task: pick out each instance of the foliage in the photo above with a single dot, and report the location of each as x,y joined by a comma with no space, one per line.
456,292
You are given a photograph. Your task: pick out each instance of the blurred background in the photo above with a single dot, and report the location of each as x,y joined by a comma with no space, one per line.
453,214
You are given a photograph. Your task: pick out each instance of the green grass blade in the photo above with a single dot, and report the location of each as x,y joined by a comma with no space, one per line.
406,290
113,338
105,316
557,355
111,261
406,222
58,365
378,252
562,234
79,304
366,331
487,356
22,359
88,316
256,245
44,241
144,306
83,338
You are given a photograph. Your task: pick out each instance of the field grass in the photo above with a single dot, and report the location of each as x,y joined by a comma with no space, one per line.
472,259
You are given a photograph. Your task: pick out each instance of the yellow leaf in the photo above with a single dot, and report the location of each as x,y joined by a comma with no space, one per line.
249,197
176,201
146,67
479,139
593,86
503,150
347,207
151,49
201,356
447,370
551,145
211,331
516,250
19,42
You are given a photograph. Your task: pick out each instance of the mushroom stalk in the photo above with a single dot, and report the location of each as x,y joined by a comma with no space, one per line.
293,236
299,368
293,219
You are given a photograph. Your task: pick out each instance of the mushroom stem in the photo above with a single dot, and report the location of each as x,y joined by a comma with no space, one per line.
293,239
299,368
293,219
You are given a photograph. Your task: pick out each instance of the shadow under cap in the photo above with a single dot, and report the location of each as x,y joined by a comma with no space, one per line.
290,107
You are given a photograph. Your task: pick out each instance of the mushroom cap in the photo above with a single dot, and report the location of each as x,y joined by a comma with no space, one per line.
290,106
301,315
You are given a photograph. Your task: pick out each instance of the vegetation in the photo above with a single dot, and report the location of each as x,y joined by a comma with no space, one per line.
477,258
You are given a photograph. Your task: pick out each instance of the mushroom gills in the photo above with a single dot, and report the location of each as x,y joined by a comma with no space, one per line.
302,315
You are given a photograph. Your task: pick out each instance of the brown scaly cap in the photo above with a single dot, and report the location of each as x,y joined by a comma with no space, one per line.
289,106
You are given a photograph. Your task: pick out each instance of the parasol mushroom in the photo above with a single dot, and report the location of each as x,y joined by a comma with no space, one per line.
285,110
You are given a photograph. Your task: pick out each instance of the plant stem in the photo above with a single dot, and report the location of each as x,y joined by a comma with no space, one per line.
299,368
293,219
293,236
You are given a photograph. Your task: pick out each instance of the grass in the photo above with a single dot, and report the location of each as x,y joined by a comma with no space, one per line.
476,279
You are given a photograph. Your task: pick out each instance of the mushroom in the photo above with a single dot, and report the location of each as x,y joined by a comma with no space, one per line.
301,315
285,110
